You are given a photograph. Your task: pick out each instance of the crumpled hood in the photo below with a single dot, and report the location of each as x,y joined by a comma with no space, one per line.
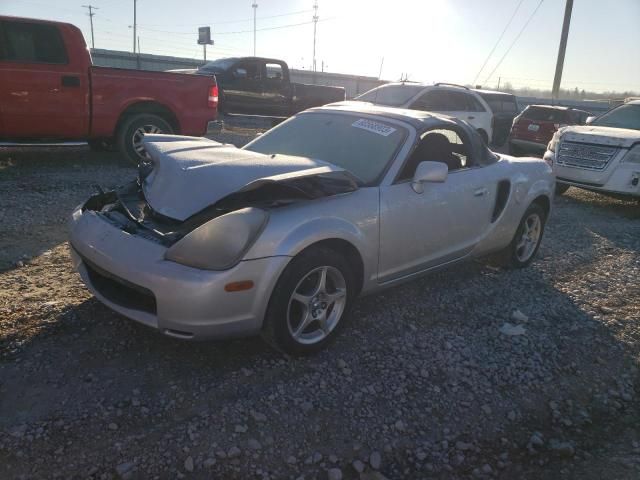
190,174
615,137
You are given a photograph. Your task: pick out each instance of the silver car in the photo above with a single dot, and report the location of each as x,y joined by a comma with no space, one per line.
281,236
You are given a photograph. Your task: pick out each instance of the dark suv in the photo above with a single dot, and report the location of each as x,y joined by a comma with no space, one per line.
532,130
504,107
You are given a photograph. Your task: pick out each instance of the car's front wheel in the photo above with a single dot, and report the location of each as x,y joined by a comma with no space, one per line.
310,302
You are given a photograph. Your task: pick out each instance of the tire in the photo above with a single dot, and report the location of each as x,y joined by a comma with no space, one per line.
283,324
512,256
129,139
561,188
484,136
101,145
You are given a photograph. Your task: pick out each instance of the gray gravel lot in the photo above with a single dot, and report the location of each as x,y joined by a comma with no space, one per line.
423,383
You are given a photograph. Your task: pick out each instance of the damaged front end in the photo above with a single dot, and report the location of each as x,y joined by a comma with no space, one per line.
127,208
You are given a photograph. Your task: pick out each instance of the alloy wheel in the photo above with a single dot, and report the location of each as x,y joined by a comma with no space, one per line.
530,237
316,305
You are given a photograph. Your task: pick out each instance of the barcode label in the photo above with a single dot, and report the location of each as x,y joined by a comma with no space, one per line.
375,127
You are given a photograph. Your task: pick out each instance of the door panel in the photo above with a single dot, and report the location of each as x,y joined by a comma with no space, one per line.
243,88
420,231
43,94
276,91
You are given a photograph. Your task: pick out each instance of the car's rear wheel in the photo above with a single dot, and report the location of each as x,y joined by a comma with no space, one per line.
526,242
132,131
561,188
310,302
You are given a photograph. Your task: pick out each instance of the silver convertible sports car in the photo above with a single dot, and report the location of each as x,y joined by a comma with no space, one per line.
281,236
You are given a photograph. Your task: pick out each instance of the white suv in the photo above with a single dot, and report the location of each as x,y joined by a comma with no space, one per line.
602,156
454,100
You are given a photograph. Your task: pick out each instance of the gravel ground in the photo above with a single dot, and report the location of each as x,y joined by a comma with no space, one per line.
427,381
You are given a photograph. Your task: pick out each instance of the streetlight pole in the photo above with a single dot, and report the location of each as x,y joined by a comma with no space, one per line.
315,25
134,26
555,92
255,8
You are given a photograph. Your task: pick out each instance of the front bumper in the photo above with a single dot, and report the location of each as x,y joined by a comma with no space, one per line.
618,177
130,275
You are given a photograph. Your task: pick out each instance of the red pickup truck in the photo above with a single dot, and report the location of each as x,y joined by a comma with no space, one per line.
50,91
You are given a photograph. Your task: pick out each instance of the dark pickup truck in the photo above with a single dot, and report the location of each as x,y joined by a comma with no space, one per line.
262,86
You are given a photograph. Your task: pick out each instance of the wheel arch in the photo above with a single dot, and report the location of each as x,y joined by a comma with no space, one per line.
349,251
543,201
150,107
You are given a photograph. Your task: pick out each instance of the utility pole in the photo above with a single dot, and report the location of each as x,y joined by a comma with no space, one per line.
315,26
255,8
91,8
134,25
381,64
561,50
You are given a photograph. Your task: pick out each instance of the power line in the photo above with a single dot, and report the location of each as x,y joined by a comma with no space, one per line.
227,22
497,42
514,41
245,31
91,14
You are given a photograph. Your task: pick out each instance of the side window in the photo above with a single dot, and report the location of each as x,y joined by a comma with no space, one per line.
274,71
433,100
246,70
439,145
32,43
473,105
457,102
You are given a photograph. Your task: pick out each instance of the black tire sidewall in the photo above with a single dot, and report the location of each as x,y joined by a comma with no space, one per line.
514,261
130,125
275,329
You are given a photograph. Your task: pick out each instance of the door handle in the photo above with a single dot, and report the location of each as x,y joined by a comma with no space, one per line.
480,192
70,81
471,117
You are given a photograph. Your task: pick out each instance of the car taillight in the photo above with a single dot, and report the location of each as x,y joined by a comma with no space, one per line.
213,97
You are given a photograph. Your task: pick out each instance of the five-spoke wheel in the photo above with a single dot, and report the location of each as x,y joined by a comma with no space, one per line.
310,301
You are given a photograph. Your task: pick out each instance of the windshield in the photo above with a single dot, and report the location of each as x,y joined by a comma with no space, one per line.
624,116
219,65
363,146
391,95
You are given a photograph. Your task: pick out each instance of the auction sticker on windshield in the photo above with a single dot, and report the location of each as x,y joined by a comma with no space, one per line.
375,127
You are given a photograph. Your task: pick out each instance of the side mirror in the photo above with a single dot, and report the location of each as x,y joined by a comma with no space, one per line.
589,119
429,172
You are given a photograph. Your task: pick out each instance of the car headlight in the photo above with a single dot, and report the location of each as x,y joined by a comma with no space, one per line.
220,243
553,144
633,156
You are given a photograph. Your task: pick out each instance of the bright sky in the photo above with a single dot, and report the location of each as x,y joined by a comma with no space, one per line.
430,40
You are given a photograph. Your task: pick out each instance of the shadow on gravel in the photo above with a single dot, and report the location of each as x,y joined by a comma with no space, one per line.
39,186
628,208
429,354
